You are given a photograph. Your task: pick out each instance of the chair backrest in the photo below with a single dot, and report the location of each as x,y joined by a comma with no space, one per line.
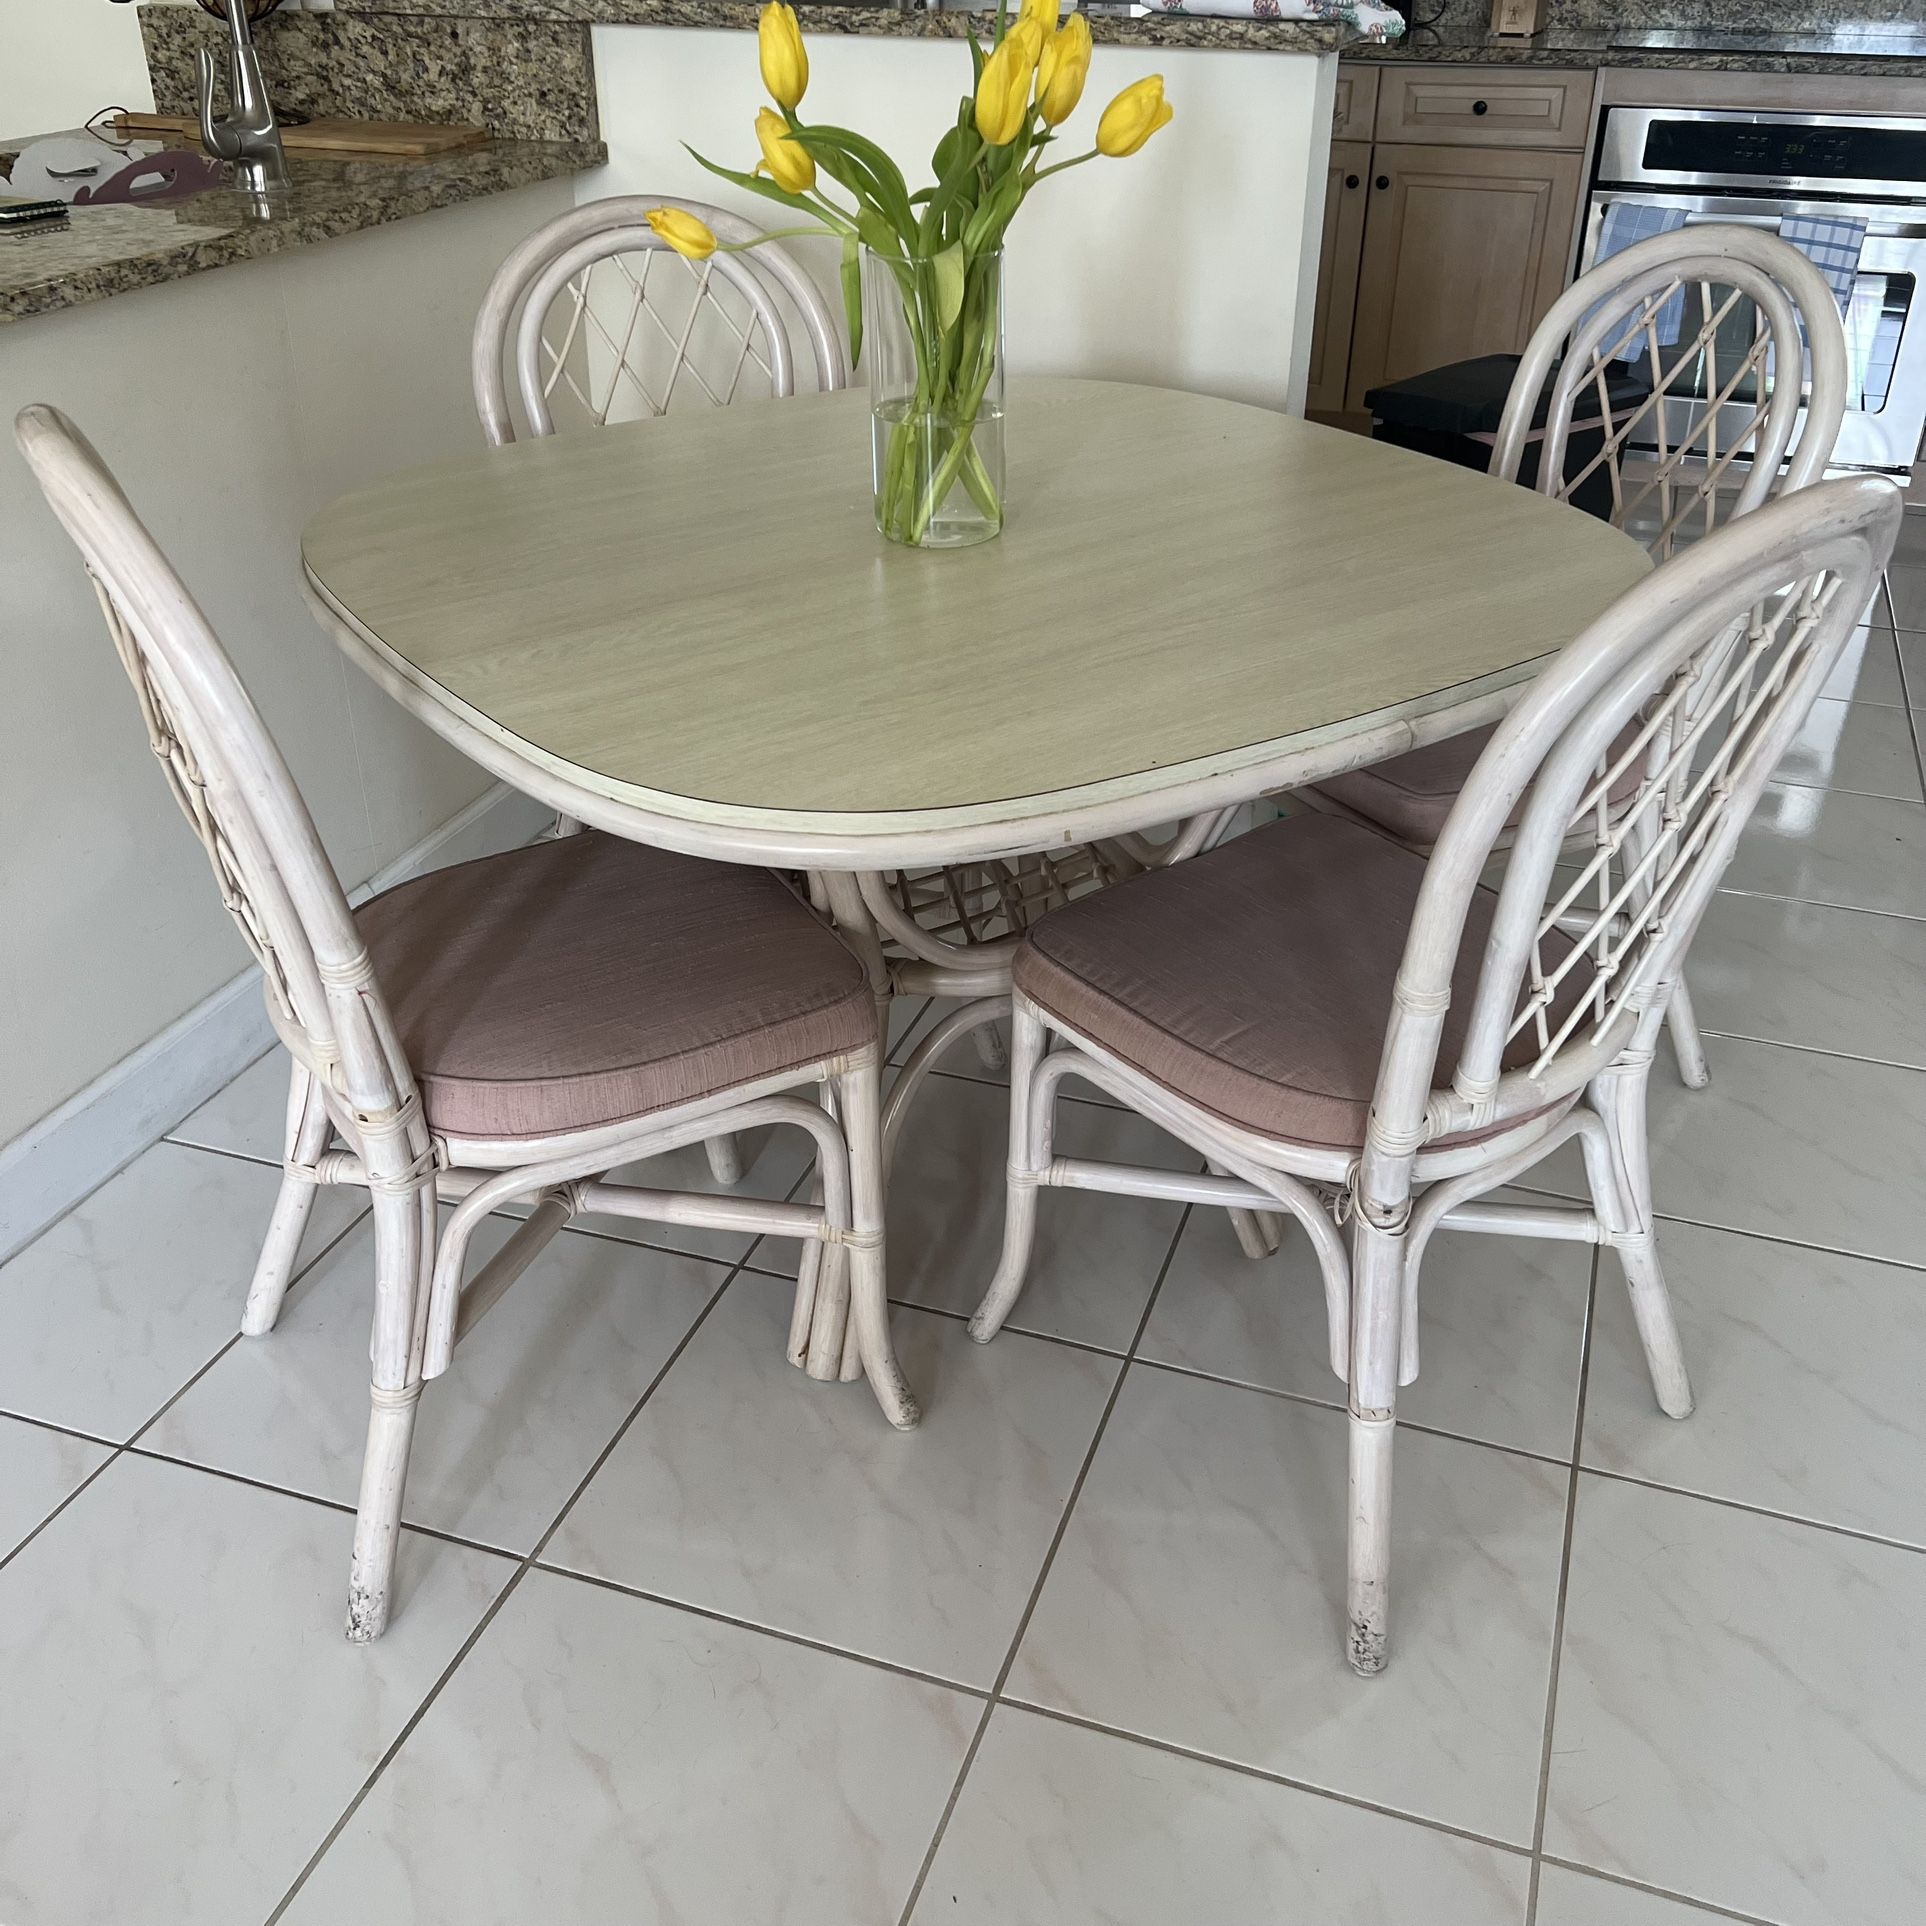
1578,963
595,308
1718,320
232,785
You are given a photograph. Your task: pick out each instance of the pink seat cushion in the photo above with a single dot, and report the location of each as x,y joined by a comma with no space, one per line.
1256,981
588,980
1411,795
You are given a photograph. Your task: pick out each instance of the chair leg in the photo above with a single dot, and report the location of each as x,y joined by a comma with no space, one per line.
990,1050
1377,1312
860,1096
403,1226
1259,1232
725,1160
1026,1161
307,1136
1619,1098
1681,1020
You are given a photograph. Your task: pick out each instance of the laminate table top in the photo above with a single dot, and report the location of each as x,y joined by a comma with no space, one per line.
688,630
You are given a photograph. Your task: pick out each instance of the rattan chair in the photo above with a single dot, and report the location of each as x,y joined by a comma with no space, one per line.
1716,433
1370,1040
509,1029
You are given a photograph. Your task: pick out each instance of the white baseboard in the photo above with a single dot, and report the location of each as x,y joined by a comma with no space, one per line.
99,1130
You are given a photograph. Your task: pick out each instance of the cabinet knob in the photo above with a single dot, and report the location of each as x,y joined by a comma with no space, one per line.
1481,106
1350,180
1384,180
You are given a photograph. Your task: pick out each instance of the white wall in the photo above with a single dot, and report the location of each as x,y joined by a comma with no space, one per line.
1193,264
232,405
62,60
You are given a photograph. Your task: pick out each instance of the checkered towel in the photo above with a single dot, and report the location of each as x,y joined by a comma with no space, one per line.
1832,245
1624,223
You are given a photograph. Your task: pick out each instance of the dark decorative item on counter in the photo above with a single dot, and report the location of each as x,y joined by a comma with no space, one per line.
256,9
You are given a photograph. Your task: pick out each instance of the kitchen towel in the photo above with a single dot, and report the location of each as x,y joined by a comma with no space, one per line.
1832,244
1624,223
1372,21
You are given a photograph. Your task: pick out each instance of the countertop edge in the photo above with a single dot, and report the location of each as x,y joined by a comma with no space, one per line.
1416,51
418,189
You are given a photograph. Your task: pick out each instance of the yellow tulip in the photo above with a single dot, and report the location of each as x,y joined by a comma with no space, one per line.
784,159
1063,69
682,231
1043,13
1003,93
785,63
1133,117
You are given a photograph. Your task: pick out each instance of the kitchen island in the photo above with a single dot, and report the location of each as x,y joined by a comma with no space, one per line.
236,372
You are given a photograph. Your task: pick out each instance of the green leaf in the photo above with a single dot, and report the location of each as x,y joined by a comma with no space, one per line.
877,233
892,190
853,299
757,185
946,271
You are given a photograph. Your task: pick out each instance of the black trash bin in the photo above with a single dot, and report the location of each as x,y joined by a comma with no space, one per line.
1454,412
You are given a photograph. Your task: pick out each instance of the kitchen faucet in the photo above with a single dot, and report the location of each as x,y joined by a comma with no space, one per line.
249,136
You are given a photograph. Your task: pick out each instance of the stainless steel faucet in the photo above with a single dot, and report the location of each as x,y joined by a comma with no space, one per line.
249,136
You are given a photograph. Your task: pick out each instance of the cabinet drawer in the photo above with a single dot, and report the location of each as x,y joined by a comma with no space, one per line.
1356,107
1484,107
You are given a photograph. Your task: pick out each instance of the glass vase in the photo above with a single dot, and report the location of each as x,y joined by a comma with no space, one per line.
933,344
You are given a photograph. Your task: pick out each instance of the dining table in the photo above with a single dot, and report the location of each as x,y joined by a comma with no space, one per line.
687,630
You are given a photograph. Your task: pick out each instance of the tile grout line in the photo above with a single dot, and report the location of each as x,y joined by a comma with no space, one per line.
235,1336
777,1632
1564,1588
1043,1574
1905,683
1816,1050
495,1606
1319,1404
117,1450
1264,1776
1711,1906
1735,1230
1854,1532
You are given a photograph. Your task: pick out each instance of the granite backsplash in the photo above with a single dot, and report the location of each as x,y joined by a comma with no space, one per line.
521,79
1743,16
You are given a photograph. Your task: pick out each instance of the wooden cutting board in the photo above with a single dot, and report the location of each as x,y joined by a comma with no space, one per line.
404,139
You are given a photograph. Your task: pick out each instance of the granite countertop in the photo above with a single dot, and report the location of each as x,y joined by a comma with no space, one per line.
1471,46
1272,36
109,250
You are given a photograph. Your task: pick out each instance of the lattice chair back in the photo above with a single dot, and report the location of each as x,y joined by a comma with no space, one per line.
274,877
1715,320
1578,961
600,321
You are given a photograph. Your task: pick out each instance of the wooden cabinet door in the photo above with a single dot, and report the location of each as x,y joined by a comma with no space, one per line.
1346,191
1463,252
1354,107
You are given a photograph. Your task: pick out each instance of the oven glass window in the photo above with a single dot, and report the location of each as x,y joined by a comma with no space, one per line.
1840,151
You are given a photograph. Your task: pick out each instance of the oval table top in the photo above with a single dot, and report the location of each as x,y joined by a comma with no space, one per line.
687,630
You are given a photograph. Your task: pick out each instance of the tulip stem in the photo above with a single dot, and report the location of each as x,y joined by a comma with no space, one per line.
1062,167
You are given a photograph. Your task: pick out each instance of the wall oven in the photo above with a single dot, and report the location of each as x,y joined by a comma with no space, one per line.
1725,164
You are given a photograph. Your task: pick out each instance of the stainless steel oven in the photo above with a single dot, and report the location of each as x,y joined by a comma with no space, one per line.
1724,164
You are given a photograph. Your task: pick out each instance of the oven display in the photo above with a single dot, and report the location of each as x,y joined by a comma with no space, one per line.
1836,152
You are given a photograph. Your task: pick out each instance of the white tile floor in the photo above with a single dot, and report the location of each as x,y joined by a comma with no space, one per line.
685,1638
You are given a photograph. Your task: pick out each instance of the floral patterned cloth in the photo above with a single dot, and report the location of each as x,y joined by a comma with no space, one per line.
1374,22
